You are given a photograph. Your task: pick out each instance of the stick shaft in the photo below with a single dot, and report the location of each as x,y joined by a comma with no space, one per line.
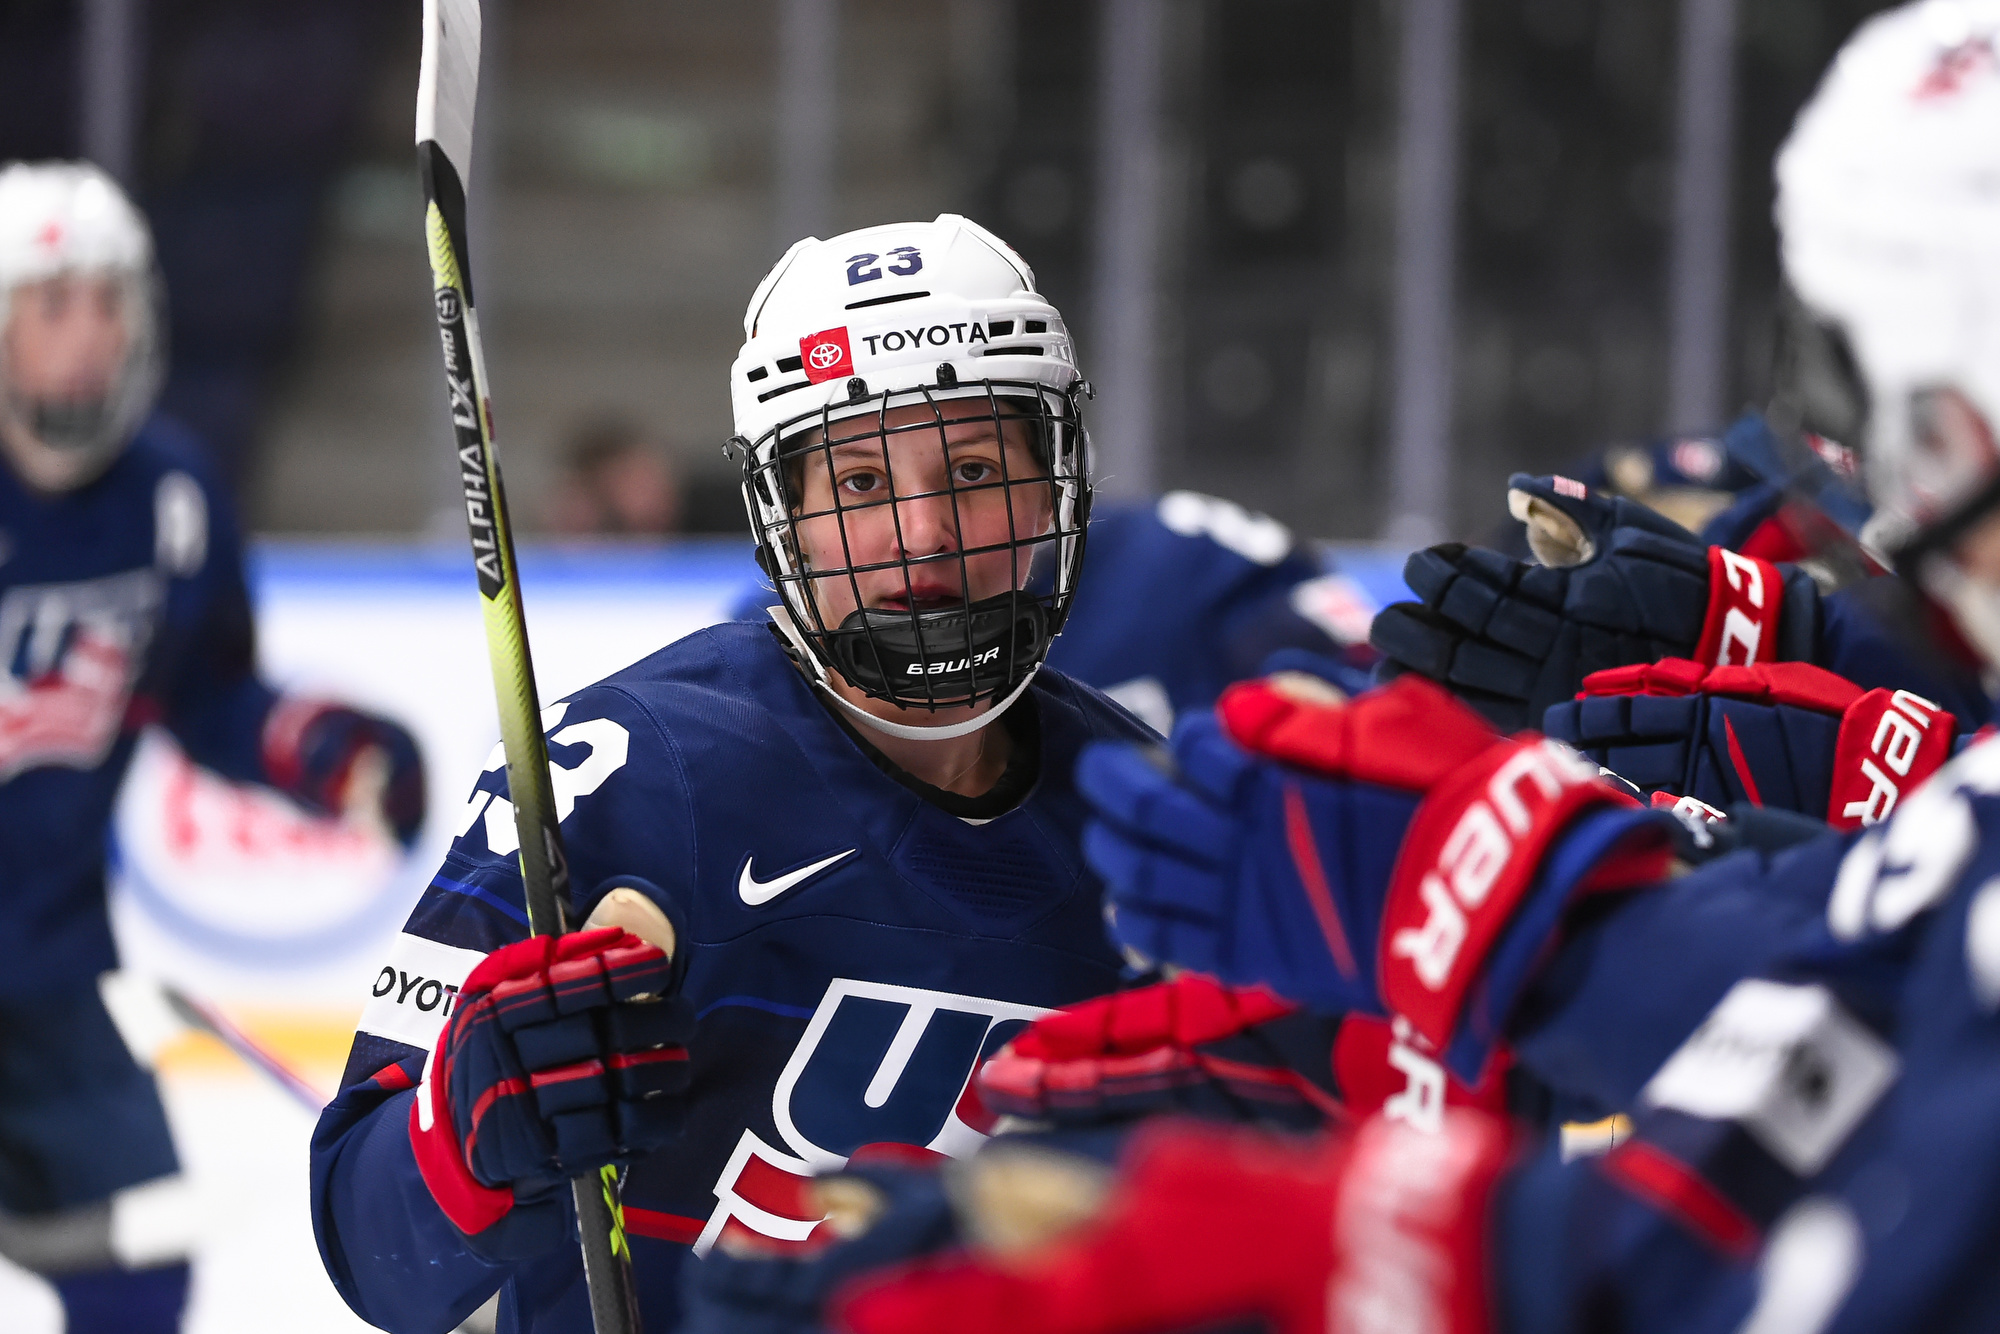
544,871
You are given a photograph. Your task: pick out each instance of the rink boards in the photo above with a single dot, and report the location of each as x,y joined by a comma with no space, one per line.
237,896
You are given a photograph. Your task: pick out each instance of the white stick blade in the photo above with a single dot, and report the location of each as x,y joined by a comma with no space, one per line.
448,85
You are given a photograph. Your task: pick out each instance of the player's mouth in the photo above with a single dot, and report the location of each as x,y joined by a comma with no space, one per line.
923,596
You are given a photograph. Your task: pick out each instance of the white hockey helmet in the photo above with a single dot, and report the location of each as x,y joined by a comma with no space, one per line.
888,318
62,218
1888,211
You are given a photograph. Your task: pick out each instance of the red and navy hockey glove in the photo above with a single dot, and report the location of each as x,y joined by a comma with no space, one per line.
1387,1228
1190,1045
310,751
1196,1047
563,1054
1785,735
1511,638
1392,856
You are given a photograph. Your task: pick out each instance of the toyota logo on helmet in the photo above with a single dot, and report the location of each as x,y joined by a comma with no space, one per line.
824,355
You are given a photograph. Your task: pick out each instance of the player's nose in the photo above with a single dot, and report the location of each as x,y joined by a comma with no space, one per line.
926,523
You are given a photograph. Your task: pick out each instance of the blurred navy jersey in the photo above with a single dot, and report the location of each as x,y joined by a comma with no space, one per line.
855,952
1808,1042
121,603
1182,596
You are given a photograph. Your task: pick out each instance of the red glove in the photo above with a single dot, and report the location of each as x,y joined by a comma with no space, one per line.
1189,1045
1235,1053
1336,1235
562,1054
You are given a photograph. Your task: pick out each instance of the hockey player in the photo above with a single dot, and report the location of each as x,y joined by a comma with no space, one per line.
1808,1038
122,603
853,831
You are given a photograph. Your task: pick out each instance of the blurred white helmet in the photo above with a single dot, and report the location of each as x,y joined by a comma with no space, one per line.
1889,215
884,320
69,218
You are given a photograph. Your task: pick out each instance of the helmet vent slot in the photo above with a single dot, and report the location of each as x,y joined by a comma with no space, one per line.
769,394
884,300
789,364
758,373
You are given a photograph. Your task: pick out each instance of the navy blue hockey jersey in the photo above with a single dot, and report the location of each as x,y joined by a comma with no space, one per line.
855,951
1811,1043
121,603
1181,597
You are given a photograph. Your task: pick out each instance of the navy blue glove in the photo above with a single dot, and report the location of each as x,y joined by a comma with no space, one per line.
1392,855
1787,735
787,1294
1511,639
310,751
563,1054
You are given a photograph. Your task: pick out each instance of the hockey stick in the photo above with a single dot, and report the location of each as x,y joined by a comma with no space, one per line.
150,1012
447,89
203,1017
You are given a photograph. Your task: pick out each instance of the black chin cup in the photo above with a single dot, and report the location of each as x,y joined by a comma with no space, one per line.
935,659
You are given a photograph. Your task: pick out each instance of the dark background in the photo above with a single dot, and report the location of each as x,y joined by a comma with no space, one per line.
266,125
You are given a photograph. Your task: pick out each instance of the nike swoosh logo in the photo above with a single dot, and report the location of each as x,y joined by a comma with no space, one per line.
757,892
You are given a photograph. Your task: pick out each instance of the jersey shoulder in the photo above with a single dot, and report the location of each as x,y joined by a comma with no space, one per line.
1190,530
713,677
1074,713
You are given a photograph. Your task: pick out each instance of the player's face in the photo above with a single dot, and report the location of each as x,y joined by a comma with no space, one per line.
66,338
925,516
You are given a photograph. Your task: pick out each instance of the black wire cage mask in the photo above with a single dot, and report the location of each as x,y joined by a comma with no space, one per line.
900,530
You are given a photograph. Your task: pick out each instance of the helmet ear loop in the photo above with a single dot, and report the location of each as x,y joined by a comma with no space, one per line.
778,548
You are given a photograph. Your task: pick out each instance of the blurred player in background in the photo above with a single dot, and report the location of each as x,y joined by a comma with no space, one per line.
617,481
850,834
122,603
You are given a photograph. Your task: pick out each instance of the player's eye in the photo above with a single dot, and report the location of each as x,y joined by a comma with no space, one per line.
861,482
971,472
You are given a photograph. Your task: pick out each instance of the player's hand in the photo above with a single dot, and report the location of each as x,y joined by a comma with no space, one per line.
1626,586
1191,1045
1362,857
563,1054
1208,1227
1789,736
878,1214
341,761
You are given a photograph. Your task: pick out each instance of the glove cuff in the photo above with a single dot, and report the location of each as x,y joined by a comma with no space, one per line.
1889,743
1745,597
1412,1221
283,740
1474,849
471,1206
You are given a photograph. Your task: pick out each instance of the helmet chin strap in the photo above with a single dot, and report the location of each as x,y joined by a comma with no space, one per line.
782,618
